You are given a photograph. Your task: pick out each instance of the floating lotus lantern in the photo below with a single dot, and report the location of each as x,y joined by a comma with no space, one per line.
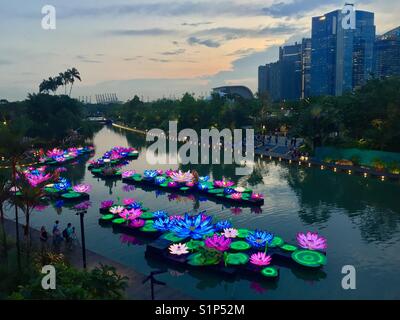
260,259
137,223
195,227
230,233
117,209
150,174
240,189
162,224
229,191
83,205
236,196
106,204
311,241
223,183
204,179
131,214
128,174
160,214
257,196
259,239
220,243
82,188
55,153
221,225
128,201
178,249
62,184
182,177
36,179
160,180
173,184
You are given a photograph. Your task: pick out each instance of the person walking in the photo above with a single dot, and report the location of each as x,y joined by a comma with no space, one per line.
44,236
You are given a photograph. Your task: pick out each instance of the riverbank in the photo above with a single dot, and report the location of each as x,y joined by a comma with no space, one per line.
136,289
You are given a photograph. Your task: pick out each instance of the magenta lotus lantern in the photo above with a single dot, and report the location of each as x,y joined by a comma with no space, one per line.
311,241
220,243
236,196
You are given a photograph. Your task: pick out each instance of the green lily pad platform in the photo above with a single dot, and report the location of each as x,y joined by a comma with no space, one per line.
309,258
236,258
240,246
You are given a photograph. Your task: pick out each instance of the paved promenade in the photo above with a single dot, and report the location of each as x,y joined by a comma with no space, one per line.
135,291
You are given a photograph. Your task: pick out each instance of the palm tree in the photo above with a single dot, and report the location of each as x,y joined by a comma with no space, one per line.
53,85
61,81
73,74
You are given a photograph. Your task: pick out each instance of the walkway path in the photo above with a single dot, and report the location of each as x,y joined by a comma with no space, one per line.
135,291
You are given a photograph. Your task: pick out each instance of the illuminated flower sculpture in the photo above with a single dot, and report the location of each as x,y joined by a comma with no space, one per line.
163,224
259,239
37,179
83,205
230,233
137,223
150,174
128,201
106,204
236,196
132,214
62,184
178,249
160,180
82,188
260,259
117,209
55,153
223,183
128,174
160,214
221,225
193,227
220,243
311,241
257,196
182,177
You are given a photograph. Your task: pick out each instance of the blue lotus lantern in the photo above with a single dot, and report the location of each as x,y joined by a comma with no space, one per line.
160,180
259,239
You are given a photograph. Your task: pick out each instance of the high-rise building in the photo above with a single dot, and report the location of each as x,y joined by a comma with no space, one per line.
341,59
387,54
290,59
262,80
306,68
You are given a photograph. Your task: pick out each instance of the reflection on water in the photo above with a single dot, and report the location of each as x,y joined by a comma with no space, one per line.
359,217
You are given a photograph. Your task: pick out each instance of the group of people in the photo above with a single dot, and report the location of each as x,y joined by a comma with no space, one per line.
68,234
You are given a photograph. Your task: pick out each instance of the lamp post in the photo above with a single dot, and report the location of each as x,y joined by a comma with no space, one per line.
154,281
81,214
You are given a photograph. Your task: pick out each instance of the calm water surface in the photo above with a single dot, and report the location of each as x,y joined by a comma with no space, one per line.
359,217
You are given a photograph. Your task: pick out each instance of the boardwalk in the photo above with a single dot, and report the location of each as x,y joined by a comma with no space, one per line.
135,291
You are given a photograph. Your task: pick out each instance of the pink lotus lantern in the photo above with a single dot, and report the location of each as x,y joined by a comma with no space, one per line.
35,180
257,196
260,259
128,201
117,209
82,188
311,241
55,153
236,196
182,177
220,243
223,183
178,249
132,214
128,174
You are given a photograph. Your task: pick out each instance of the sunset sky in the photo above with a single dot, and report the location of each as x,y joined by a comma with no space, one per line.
156,48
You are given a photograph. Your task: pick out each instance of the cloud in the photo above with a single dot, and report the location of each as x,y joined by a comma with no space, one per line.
5,62
159,60
86,59
196,24
170,8
206,42
241,52
303,7
154,32
133,58
229,33
173,53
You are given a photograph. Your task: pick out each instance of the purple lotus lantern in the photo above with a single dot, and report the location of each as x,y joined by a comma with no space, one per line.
182,177
311,241
257,196
137,223
173,184
128,201
131,214
106,204
223,183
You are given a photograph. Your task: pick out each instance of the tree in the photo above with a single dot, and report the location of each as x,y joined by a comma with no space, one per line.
72,75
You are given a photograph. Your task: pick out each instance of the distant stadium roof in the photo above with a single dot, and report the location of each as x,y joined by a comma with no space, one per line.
241,91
